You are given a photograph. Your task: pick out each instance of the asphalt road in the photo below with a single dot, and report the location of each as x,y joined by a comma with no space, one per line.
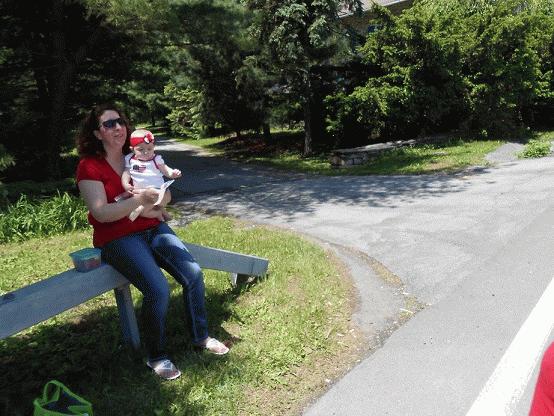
472,250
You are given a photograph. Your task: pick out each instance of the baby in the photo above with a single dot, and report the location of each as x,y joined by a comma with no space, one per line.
147,170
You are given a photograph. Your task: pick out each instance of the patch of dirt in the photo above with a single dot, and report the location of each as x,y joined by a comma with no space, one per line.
294,288
254,145
438,165
303,384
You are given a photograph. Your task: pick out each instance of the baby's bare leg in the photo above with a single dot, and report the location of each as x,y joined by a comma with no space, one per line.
157,211
146,211
153,212
165,216
136,212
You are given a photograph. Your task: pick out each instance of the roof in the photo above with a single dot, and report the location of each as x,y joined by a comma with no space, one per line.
367,4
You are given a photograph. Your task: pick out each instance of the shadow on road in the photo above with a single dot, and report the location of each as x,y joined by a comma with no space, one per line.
220,184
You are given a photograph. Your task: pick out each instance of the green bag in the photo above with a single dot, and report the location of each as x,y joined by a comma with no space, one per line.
58,400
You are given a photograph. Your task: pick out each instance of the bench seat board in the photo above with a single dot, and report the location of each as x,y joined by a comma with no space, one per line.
35,303
228,261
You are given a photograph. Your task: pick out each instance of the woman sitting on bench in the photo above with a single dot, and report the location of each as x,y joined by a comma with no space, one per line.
137,249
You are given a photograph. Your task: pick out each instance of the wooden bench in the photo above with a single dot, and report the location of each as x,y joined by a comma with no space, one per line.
35,303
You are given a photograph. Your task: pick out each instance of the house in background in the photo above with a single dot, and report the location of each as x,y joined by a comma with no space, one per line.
361,23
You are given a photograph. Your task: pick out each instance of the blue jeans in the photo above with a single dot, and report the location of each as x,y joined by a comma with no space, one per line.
139,257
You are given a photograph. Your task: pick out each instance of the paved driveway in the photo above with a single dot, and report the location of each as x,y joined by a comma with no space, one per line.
473,248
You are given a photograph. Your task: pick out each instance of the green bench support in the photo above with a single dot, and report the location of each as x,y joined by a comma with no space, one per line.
35,303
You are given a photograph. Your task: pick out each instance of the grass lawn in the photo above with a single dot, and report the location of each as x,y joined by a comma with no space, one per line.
284,151
289,331
538,146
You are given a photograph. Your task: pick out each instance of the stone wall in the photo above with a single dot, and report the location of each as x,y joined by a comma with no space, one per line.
362,155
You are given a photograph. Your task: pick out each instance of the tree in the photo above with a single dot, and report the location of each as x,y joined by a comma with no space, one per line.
6,160
482,66
298,35
150,69
220,82
58,56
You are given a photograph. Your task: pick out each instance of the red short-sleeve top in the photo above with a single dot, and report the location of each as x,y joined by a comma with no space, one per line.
98,169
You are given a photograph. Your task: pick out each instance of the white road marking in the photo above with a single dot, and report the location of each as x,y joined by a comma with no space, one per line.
507,383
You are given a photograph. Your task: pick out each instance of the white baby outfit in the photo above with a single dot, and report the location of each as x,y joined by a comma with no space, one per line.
145,173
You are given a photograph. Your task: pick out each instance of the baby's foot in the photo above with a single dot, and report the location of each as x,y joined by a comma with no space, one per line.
166,215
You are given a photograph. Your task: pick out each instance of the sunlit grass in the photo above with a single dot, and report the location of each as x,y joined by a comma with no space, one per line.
28,218
448,157
206,143
290,332
426,158
538,146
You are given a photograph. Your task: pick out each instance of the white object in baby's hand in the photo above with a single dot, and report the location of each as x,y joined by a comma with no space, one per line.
162,191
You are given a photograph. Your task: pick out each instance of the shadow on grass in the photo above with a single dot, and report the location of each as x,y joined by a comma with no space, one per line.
37,190
86,354
160,129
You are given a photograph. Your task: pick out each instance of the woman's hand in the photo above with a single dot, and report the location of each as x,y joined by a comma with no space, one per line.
147,196
94,194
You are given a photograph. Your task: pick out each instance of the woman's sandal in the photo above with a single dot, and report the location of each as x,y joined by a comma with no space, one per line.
165,369
213,346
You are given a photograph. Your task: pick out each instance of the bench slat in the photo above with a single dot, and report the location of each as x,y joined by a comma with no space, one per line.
35,303
228,261
49,297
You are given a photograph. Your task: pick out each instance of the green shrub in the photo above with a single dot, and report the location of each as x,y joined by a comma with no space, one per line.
453,64
535,148
35,190
187,113
29,218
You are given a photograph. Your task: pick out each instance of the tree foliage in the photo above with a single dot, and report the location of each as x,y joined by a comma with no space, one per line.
6,160
298,35
220,82
60,56
484,66
481,65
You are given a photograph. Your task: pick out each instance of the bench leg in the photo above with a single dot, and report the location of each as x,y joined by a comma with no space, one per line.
237,279
127,318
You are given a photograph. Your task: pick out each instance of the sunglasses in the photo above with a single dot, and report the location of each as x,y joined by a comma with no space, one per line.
110,124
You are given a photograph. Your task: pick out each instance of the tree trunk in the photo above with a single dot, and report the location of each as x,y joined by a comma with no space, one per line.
267,131
58,85
308,115
316,114
307,128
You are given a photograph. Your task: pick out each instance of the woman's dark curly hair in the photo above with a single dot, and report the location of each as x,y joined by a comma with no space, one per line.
87,143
